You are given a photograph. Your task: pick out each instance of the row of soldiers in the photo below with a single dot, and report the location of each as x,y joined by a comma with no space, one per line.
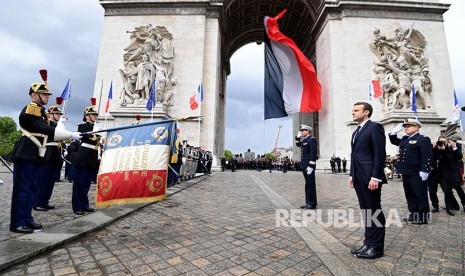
190,161
37,158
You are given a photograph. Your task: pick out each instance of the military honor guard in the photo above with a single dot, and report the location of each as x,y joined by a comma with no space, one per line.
308,145
28,156
53,163
86,161
414,164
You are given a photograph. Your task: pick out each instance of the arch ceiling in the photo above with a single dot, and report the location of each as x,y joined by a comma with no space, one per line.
242,22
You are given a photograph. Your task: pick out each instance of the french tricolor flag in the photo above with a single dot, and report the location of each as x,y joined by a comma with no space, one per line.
374,89
291,83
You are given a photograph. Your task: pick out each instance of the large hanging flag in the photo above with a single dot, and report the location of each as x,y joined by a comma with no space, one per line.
110,97
414,100
456,108
66,94
374,89
196,99
152,99
134,164
291,83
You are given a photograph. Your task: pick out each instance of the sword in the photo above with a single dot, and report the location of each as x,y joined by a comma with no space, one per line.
6,164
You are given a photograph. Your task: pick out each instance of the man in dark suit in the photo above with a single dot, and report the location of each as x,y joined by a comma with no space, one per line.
414,164
366,176
308,158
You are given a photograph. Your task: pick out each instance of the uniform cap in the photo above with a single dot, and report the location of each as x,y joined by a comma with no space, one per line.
305,127
55,109
39,87
455,137
412,122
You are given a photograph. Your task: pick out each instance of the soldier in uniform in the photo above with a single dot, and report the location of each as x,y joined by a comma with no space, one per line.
28,156
308,146
86,162
414,164
53,163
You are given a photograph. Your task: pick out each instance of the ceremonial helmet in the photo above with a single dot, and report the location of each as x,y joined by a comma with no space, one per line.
90,109
137,121
55,109
40,87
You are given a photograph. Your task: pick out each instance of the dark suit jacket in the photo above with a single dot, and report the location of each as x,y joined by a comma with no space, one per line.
415,153
368,156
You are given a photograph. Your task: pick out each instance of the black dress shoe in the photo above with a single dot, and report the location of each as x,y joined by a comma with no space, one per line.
435,210
90,210
310,207
303,206
40,208
34,226
49,207
23,230
450,213
79,212
370,253
356,251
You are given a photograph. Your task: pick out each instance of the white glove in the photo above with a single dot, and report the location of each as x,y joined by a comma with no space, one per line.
424,176
396,129
456,116
299,134
62,122
75,135
309,170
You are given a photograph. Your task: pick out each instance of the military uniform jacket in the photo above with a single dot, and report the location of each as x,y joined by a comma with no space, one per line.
415,153
85,156
308,152
33,119
53,153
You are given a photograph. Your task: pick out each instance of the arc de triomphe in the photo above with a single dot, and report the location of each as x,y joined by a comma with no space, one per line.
179,44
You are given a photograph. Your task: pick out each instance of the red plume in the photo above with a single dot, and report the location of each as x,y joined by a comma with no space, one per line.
59,100
138,117
43,74
93,101
178,130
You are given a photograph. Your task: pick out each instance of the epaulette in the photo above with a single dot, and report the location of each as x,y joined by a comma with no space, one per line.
34,109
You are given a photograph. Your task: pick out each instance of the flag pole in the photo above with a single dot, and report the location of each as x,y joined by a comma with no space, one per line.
200,109
100,100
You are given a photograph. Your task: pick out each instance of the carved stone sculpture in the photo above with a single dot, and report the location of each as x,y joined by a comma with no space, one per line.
400,64
148,58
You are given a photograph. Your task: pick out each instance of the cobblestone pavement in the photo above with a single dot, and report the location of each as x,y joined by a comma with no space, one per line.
227,225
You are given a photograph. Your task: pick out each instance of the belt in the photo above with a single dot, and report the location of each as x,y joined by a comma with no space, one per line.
89,146
52,144
33,137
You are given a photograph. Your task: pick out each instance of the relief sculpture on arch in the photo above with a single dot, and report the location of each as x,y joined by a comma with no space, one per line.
401,67
148,59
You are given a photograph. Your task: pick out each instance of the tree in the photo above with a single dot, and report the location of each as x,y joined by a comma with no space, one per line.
270,155
227,154
8,135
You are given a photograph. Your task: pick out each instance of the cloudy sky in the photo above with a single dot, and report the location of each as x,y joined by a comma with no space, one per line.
63,36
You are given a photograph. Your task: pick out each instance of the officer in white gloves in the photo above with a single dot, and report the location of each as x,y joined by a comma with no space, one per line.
308,158
414,164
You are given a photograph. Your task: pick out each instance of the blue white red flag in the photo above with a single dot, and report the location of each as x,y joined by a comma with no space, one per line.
110,97
457,107
374,89
196,99
291,83
134,164
66,94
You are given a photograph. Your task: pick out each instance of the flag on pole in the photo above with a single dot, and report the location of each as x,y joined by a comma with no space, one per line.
291,83
196,99
152,99
414,99
134,164
110,97
457,107
374,89
66,94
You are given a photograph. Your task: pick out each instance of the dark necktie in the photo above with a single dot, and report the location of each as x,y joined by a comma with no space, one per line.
356,132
